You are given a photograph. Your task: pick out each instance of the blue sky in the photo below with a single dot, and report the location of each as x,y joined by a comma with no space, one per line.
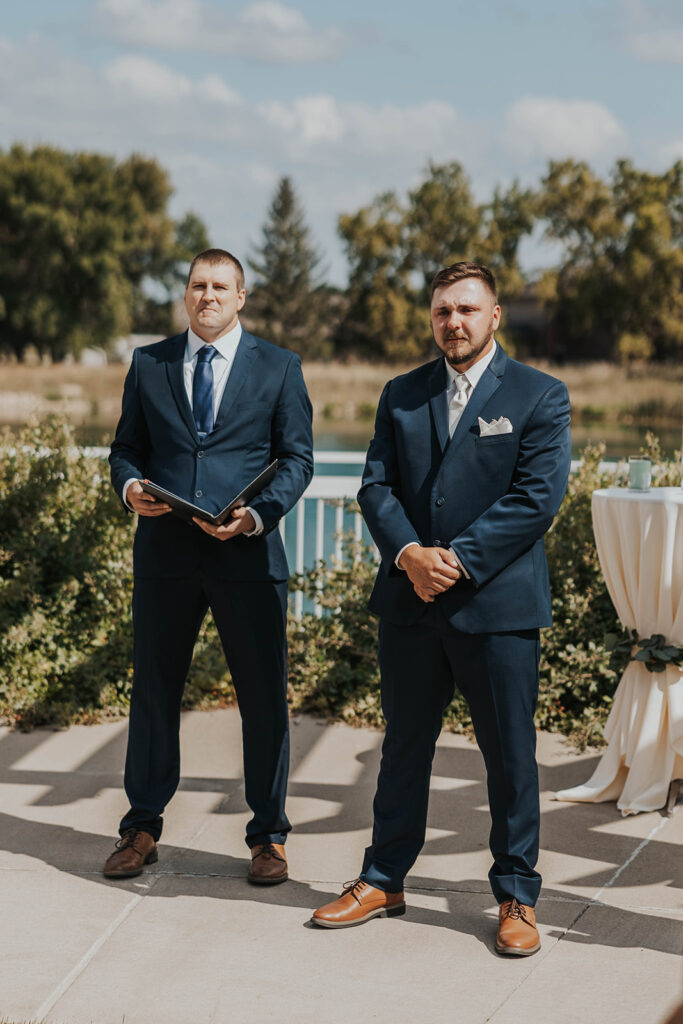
350,100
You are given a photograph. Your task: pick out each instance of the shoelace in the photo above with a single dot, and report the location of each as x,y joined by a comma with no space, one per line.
128,839
269,851
355,888
516,910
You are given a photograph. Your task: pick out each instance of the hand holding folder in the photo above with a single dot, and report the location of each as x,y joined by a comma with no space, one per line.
189,512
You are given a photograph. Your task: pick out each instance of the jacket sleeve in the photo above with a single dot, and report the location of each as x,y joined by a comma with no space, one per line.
291,445
522,516
380,494
130,446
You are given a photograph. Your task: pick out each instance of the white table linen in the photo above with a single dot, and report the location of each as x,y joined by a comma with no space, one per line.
639,538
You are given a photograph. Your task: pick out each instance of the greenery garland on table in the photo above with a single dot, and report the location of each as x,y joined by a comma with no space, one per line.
654,652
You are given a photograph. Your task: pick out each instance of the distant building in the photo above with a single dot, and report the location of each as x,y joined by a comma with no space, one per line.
532,329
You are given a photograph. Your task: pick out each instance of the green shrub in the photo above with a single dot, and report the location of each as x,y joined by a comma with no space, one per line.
333,659
65,587
333,669
66,582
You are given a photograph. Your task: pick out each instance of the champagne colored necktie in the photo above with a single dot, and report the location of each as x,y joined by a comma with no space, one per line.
458,400
202,390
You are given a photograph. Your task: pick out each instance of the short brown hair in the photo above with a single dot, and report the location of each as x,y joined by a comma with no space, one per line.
215,256
459,271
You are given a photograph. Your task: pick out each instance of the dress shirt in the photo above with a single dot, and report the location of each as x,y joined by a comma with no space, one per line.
473,376
221,364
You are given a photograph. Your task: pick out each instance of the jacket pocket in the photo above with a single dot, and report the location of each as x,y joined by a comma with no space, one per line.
492,439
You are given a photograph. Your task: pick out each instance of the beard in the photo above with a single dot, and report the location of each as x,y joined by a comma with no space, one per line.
459,349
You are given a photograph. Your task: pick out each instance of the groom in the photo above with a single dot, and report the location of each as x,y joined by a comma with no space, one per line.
463,477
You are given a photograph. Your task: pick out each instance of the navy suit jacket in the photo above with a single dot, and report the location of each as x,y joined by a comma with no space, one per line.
490,498
264,414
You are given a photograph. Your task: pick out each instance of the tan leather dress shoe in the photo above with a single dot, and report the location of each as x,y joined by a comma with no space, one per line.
358,903
268,864
133,850
517,932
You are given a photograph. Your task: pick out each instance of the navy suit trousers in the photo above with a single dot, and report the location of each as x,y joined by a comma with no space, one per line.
497,674
251,621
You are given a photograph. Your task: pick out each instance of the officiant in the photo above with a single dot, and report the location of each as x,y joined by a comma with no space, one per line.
466,470
203,414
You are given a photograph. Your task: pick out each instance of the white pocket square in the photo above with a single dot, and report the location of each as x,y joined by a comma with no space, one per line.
500,426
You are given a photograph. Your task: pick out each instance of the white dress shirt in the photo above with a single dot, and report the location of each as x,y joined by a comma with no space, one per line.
456,408
221,364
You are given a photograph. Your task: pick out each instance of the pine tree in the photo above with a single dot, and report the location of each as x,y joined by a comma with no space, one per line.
288,303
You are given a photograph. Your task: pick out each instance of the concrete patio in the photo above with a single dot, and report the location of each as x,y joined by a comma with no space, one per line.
191,942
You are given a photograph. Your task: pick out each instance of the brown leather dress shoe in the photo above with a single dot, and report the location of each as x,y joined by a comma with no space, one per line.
133,850
358,903
517,932
268,864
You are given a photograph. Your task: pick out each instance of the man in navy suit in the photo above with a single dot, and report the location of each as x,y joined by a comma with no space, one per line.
464,475
203,414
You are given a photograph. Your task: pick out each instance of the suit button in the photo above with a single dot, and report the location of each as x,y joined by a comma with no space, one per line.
440,501
198,494
439,543
201,455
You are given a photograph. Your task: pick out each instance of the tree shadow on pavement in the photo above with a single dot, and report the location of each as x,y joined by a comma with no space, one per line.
585,834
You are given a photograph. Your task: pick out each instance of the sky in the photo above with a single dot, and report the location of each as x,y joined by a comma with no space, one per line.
350,100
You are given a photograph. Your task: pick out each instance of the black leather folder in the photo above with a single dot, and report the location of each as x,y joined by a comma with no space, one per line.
187,511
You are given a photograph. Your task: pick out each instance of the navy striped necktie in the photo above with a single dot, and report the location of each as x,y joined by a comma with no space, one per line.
202,390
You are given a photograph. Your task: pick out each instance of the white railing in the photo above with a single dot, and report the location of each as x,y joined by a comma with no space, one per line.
322,514
335,492
324,492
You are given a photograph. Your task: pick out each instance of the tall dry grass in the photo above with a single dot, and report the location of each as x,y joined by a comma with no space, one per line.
346,392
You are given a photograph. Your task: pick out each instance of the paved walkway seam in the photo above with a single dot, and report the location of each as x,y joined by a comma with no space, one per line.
588,904
68,981
627,863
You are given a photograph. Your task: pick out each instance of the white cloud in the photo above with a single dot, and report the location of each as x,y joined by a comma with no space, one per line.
551,128
305,121
320,122
223,153
148,80
268,30
661,46
214,88
652,30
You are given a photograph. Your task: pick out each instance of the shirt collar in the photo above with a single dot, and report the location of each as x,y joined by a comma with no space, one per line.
475,372
226,345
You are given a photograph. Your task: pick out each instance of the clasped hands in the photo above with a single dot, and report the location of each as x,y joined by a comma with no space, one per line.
430,570
145,504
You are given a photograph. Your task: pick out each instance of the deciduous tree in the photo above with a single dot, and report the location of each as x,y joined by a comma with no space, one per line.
80,236
621,268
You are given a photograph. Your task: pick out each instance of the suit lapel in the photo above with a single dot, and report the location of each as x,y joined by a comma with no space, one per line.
176,379
439,403
487,386
241,368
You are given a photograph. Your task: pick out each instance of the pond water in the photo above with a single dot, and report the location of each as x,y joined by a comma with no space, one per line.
620,441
